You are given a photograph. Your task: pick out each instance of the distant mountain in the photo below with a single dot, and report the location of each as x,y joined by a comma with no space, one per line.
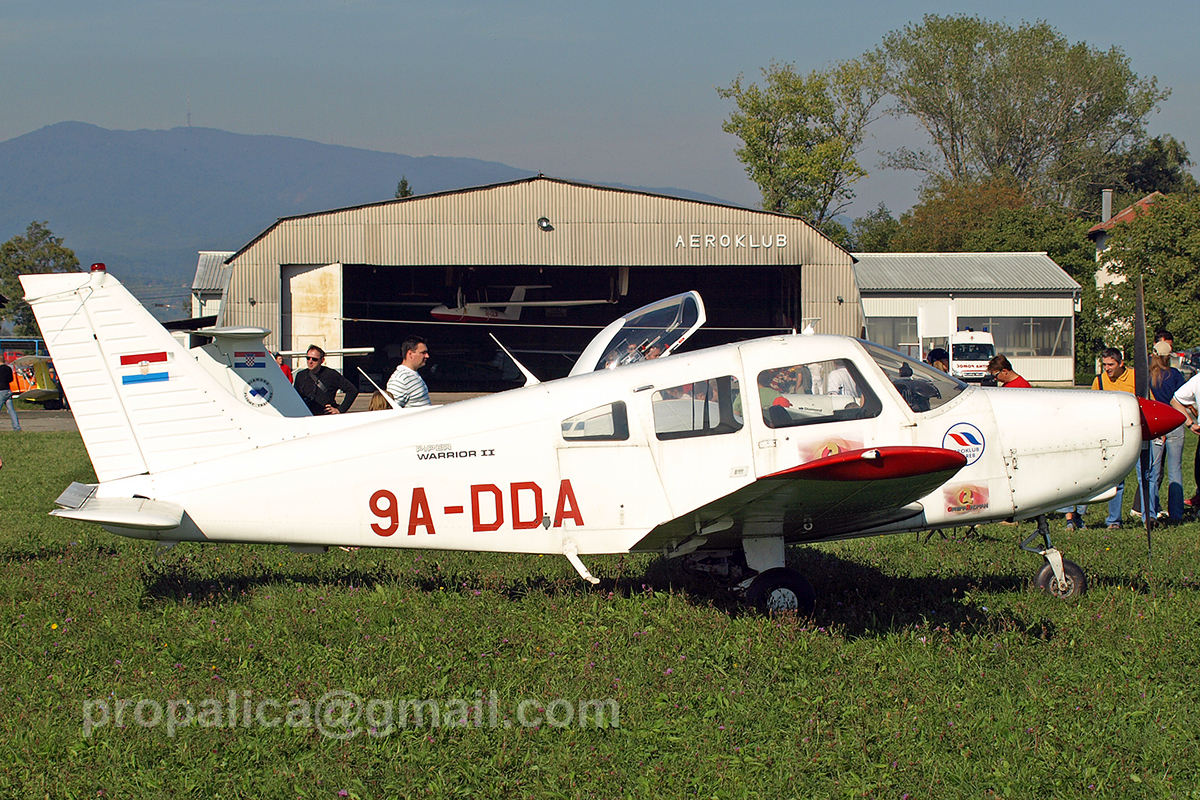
146,201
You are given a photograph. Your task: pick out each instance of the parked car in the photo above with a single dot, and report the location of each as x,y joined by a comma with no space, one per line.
1189,362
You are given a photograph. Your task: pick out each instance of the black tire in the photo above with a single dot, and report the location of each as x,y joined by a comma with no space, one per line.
1076,581
782,590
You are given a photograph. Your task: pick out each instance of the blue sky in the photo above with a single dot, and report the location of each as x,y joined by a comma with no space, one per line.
618,91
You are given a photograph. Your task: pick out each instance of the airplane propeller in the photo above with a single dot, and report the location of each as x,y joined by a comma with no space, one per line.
1141,376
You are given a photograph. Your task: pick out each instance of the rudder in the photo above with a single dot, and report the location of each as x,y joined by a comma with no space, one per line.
140,400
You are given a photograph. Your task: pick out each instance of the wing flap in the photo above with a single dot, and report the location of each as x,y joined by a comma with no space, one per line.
828,497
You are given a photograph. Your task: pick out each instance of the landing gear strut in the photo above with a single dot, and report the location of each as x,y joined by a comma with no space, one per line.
775,588
1061,578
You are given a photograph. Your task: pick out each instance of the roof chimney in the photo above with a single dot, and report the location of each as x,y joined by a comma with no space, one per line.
1105,205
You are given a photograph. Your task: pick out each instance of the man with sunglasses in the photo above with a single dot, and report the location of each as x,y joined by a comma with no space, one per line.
318,385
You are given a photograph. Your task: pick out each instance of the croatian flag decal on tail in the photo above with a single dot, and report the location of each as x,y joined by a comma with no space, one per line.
151,368
250,360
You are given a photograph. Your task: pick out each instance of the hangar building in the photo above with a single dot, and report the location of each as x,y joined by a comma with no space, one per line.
368,276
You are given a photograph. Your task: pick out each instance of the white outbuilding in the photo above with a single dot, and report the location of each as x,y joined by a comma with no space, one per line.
1024,300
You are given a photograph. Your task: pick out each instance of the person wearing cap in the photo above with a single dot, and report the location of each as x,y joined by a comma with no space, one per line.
1166,452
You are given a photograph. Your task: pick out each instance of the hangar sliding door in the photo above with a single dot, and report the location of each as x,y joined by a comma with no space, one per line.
311,310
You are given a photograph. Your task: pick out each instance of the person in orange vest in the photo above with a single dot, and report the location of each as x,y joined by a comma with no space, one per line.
6,378
1115,377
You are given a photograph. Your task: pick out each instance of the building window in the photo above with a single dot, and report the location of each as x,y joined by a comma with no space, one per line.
1027,336
898,333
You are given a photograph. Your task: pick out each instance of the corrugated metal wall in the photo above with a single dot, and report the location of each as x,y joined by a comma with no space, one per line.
587,226
993,306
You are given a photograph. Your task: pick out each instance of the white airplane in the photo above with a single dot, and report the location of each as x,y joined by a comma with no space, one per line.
502,310
724,455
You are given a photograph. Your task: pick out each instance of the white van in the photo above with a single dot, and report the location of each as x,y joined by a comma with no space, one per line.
970,352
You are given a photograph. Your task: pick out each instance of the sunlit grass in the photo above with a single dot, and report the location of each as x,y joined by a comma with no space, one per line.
930,670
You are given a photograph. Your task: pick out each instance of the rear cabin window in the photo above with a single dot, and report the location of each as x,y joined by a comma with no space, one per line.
704,408
608,423
820,391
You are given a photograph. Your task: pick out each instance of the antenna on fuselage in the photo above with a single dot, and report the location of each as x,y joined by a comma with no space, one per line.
391,400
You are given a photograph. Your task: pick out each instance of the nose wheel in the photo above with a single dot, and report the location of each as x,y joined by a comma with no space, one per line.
1072,584
1061,578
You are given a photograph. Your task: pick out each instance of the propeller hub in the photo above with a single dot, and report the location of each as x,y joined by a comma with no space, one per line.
1158,419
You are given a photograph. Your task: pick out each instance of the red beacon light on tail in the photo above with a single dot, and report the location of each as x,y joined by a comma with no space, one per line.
99,267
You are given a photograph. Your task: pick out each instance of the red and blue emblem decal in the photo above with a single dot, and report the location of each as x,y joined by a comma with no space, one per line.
966,439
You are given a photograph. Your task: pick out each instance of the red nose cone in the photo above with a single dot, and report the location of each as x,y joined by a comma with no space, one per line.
98,267
1158,419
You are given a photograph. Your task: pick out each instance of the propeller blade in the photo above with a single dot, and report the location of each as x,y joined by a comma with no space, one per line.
1141,376
1144,486
1141,358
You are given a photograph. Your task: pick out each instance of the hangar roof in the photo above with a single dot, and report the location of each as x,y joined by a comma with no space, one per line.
542,221
987,273
212,273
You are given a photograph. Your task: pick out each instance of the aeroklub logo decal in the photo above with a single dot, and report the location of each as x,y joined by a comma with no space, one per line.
966,439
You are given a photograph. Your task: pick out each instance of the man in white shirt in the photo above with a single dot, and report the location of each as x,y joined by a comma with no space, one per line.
1185,401
840,382
405,386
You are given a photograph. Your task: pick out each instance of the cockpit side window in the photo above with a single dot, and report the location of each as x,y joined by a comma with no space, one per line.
819,391
607,423
923,387
704,408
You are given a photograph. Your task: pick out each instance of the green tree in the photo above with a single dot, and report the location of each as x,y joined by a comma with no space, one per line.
1020,104
800,134
38,251
950,211
402,188
874,232
1160,164
1162,244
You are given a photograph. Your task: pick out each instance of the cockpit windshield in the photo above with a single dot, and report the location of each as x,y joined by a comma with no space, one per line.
923,387
649,332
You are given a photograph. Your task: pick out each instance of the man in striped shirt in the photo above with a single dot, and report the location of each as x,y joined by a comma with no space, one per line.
406,386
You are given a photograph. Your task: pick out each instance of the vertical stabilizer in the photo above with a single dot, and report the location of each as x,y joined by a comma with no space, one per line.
141,401
512,313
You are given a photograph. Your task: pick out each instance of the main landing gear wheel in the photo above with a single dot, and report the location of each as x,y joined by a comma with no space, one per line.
1074,585
781,590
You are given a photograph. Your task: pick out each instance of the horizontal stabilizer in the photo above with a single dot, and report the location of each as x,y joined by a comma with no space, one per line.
80,503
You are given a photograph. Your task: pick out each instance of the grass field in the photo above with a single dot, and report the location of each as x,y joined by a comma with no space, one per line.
930,669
